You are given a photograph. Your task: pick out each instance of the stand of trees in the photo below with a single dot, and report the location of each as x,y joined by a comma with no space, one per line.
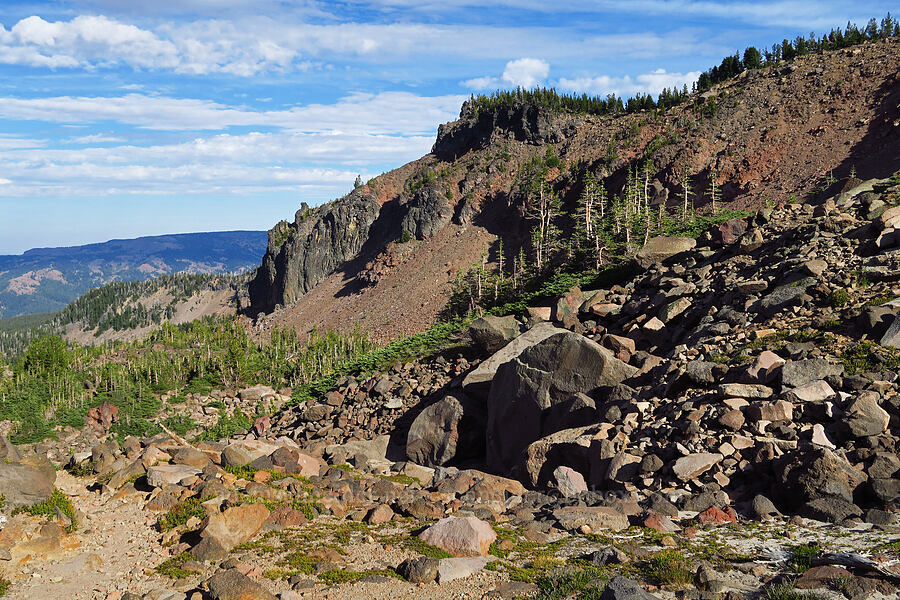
731,66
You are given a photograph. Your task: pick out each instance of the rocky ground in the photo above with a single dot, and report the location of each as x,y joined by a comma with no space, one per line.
722,425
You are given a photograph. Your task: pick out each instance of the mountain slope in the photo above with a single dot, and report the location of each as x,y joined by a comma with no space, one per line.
46,279
791,131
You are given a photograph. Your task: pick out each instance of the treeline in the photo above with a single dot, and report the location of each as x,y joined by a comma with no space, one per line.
787,50
730,66
116,305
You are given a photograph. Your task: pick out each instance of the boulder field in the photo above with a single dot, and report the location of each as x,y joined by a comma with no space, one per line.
722,423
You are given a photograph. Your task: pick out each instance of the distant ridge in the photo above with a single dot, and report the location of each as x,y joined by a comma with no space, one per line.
46,279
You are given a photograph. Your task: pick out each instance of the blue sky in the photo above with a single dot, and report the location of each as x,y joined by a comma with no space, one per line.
121,118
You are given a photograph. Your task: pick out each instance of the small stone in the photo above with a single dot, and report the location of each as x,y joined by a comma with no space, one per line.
693,465
569,482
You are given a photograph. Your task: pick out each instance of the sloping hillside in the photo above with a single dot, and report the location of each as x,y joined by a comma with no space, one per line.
47,279
794,130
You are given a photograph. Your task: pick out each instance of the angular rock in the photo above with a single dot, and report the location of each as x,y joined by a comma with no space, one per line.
865,417
223,531
765,367
658,249
805,475
694,465
163,475
460,536
796,373
492,333
459,568
569,482
483,374
830,509
543,375
423,569
191,457
451,429
256,393
743,390
762,509
622,588
234,585
23,485
814,391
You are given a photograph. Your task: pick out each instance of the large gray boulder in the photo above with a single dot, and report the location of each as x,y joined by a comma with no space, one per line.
479,379
865,417
451,429
796,373
23,485
542,376
806,475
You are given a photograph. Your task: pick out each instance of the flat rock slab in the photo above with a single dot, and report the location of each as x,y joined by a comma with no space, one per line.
162,475
597,518
693,465
458,568
814,391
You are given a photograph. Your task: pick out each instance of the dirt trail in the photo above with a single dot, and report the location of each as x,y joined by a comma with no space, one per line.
113,548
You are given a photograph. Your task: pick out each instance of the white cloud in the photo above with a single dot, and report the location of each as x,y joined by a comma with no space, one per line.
399,113
5,181
249,46
523,72
646,83
96,138
526,72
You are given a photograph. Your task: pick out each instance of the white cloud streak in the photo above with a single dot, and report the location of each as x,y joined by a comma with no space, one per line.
254,45
524,72
398,113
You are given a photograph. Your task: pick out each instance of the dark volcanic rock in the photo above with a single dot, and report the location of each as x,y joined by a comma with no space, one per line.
302,254
545,374
452,428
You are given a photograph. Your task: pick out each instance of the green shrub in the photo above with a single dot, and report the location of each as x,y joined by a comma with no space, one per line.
839,298
179,514
48,507
669,567
172,567
802,555
179,424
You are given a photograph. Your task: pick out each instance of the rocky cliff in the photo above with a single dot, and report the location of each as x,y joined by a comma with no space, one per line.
793,130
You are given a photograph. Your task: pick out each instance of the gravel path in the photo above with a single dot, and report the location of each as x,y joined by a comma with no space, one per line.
111,550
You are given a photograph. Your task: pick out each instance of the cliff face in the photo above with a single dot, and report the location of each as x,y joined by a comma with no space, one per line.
524,123
302,253
780,134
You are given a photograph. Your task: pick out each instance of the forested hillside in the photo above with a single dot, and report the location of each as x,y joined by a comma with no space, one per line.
47,279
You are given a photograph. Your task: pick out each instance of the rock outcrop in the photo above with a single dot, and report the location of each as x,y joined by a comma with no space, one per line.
301,254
